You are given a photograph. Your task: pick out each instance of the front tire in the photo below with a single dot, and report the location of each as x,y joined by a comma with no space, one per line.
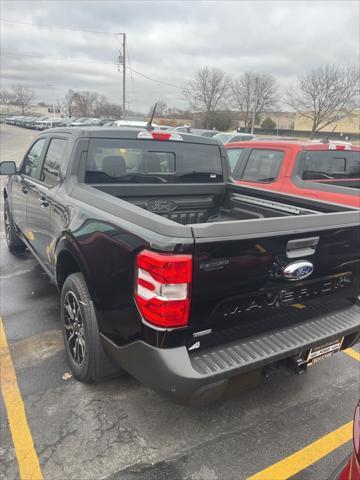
15,245
83,348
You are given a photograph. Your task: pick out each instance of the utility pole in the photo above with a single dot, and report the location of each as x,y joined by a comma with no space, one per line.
53,104
124,73
254,106
122,61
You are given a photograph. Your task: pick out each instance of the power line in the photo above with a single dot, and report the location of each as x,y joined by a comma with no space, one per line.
131,76
154,80
52,27
10,54
80,61
64,59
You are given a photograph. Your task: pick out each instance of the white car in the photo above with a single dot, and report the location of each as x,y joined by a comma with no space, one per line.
133,123
224,137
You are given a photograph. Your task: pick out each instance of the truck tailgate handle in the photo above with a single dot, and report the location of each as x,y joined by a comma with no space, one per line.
301,247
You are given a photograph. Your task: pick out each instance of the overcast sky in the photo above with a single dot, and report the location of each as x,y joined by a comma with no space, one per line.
168,41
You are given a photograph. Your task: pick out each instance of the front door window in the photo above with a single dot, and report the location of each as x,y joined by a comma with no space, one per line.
32,164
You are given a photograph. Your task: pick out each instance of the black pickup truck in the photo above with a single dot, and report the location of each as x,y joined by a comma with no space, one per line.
172,273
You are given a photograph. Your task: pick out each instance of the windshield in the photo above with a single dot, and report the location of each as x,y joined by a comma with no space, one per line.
233,157
222,137
150,161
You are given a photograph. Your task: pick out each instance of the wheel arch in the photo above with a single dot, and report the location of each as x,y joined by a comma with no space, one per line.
66,264
68,261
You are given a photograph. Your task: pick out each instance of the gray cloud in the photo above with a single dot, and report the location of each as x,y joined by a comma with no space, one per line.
169,41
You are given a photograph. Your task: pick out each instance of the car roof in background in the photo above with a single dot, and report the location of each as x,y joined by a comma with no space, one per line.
133,123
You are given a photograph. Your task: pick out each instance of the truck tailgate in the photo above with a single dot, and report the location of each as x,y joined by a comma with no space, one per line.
239,279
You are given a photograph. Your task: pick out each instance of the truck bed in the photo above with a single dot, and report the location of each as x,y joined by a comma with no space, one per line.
190,206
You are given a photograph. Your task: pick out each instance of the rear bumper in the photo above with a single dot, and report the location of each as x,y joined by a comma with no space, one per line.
183,376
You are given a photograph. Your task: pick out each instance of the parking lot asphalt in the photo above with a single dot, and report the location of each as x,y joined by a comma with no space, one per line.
122,430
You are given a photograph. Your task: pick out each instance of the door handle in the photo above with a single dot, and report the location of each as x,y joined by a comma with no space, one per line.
43,201
301,247
24,190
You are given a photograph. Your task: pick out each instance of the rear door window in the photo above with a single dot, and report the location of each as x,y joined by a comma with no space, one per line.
263,165
329,165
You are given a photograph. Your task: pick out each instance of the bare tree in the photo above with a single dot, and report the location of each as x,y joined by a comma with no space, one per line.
161,108
90,104
208,91
103,108
85,103
6,97
69,102
326,95
254,93
23,96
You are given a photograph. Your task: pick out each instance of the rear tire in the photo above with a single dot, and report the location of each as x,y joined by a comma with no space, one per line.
86,357
15,245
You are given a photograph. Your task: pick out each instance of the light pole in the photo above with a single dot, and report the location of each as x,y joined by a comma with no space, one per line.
254,105
51,86
122,61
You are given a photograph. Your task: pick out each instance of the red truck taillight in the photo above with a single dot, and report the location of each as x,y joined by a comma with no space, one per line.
162,289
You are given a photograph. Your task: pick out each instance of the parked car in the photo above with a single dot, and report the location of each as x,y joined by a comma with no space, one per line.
50,122
205,133
329,171
169,271
69,120
10,120
92,122
183,129
350,467
18,120
133,124
40,123
166,127
79,121
30,122
196,131
102,121
225,138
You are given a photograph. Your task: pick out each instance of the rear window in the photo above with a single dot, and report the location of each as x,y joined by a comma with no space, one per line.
263,165
147,161
329,165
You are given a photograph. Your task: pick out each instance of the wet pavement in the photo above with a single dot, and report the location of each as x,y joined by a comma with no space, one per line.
122,430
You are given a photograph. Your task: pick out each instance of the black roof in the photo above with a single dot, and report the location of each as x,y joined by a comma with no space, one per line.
122,133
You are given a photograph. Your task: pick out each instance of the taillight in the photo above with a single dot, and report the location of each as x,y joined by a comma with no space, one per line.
333,146
156,135
356,435
162,289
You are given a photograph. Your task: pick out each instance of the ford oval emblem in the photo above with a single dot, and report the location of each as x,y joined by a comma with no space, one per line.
298,270
161,206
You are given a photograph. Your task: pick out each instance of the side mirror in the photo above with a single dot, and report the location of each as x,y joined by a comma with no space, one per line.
7,168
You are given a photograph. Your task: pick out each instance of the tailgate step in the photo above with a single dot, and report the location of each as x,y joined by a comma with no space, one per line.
254,352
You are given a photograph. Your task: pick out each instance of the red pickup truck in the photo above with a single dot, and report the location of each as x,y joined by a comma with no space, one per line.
328,171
